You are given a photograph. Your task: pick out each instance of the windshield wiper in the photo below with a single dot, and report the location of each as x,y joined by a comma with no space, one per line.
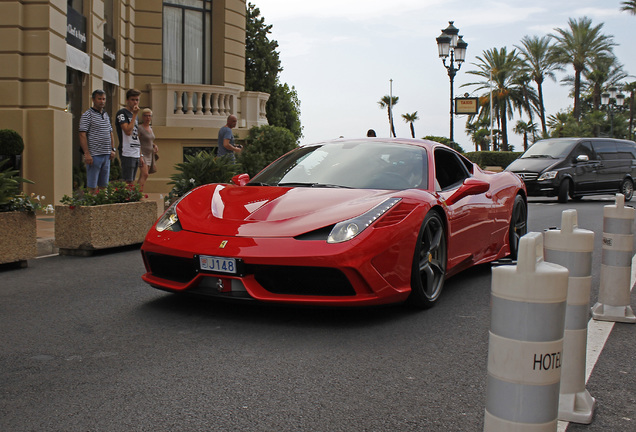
325,185
313,185
296,184
257,184
539,156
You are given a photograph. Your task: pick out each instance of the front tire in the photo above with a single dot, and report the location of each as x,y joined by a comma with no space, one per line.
429,263
627,189
564,191
518,225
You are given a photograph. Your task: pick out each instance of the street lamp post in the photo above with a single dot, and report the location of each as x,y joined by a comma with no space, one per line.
450,44
612,100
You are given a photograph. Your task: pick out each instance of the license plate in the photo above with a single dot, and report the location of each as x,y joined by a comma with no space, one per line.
218,264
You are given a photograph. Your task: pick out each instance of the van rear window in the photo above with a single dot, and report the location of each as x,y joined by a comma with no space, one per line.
625,150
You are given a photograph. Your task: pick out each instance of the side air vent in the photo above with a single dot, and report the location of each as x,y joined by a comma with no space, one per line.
395,215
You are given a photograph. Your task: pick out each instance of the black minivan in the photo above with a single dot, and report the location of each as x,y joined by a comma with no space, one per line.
575,167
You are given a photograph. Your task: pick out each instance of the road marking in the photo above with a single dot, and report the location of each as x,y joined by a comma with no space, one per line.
597,334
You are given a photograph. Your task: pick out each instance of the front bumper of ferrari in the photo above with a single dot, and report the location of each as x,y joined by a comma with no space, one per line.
283,270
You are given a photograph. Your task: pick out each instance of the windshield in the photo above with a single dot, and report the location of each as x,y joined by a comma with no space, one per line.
550,148
349,164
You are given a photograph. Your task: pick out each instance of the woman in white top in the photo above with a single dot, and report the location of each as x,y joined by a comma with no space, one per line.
148,146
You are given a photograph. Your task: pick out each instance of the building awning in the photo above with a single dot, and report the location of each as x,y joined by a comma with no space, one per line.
78,60
111,75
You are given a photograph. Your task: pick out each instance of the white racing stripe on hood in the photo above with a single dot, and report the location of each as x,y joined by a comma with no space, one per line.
217,205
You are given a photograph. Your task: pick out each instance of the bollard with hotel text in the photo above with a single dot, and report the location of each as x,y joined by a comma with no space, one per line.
526,342
572,248
616,264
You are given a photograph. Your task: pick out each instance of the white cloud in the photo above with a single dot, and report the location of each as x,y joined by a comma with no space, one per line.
352,10
340,55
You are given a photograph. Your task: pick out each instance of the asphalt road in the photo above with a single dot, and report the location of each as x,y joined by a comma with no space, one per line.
85,345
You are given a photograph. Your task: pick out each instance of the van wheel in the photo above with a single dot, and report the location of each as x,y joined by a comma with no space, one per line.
627,189
564,191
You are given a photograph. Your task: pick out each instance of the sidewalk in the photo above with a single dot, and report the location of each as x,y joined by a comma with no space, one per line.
46,228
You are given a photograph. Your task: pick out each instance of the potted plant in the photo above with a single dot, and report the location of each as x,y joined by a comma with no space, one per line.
114,216
17,219
11,148
199,169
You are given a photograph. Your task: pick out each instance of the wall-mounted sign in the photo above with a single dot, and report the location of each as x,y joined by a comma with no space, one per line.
110,51
467,105
75,29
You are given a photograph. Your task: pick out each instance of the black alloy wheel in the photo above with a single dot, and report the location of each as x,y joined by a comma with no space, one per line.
429,262
518,225
627,189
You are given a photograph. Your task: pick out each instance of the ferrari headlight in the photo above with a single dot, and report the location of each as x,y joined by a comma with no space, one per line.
547,175
346,230
169,220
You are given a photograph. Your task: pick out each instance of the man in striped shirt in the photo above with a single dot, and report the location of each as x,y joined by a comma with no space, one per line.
97,142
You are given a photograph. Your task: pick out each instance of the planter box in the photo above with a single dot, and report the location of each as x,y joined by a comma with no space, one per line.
81,230
19,237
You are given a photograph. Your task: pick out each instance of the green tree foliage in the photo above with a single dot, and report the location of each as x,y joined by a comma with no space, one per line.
479,131
493,158
389,102
629,6
445,141
579,46
537,55
116,192
284,109
591,124
11,143
509,93
202,168
9,183
410,118
582,46
264,145
525,128
262,69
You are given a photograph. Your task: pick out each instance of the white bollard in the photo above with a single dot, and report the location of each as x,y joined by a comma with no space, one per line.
572,248
616,264
525,342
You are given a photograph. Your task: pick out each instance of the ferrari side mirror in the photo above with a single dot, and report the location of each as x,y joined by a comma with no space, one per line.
471,186
241,179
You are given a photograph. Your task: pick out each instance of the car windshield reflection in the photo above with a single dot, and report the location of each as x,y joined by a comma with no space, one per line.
349,164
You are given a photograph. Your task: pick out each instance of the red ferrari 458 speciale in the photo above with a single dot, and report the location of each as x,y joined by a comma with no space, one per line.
341,223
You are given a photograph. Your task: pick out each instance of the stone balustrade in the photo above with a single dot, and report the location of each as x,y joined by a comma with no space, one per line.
192,105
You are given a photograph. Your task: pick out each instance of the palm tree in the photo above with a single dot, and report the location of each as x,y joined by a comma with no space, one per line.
508,94
389,102
537,54
629,6
479,132
557,122
579,46
410,118
523,128
631,88
603,72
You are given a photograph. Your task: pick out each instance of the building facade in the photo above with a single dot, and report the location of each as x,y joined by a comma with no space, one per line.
186,56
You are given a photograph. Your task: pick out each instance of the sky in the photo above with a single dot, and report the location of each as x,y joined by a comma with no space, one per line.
341,56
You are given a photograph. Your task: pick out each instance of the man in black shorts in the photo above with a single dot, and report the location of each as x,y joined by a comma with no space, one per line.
129,144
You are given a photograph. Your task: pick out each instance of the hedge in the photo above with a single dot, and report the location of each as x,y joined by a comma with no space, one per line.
493,158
